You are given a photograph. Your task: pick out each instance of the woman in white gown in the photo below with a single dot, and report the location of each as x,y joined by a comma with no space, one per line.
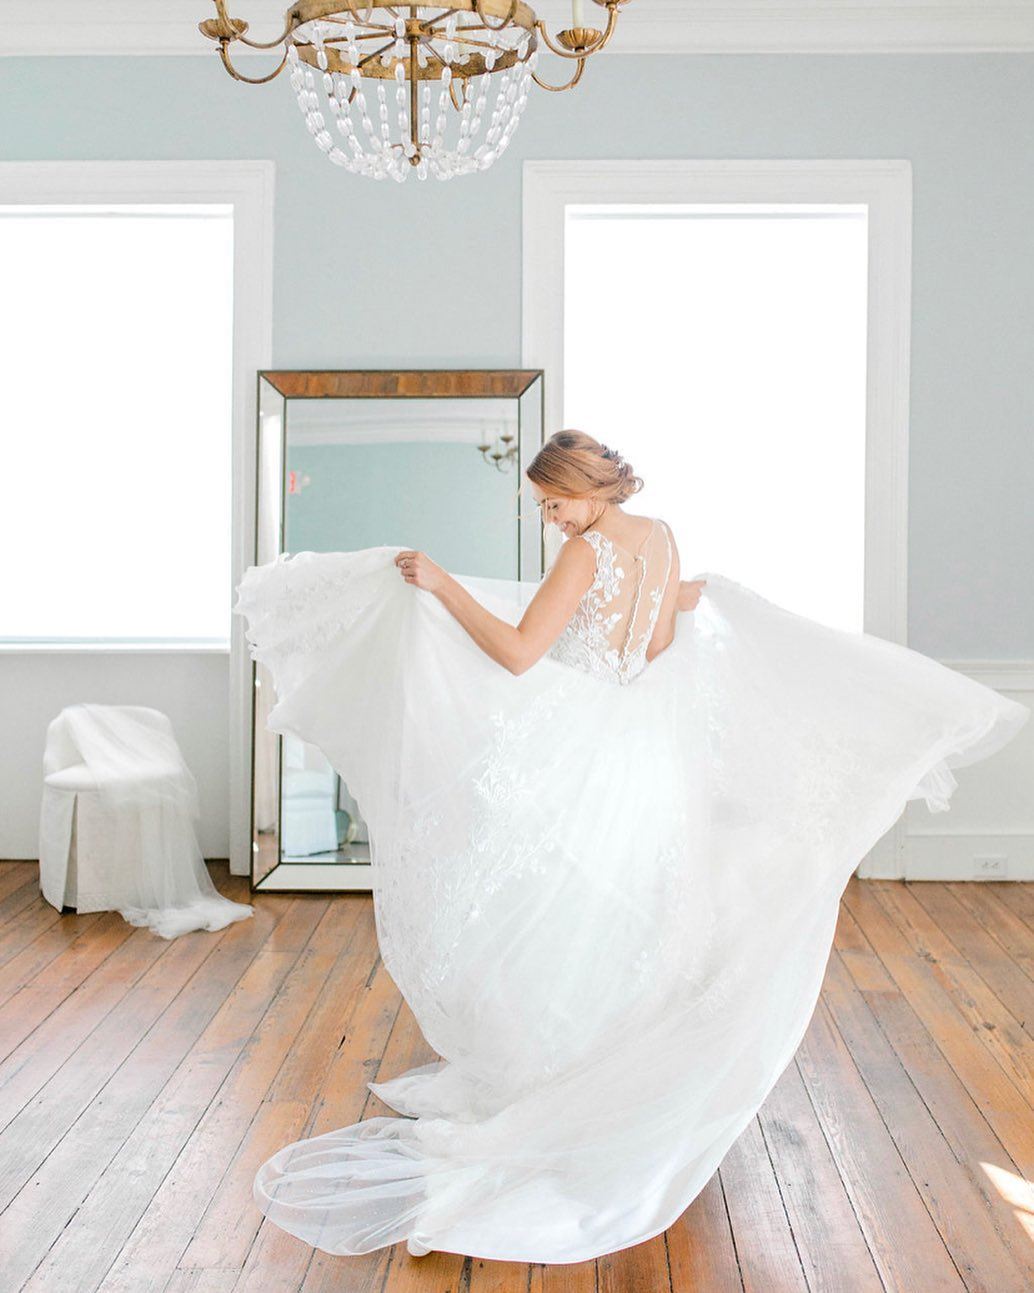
609,842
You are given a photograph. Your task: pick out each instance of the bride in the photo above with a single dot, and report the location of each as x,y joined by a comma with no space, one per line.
609,841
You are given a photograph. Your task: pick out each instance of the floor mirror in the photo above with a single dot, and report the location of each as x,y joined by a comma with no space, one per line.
424,458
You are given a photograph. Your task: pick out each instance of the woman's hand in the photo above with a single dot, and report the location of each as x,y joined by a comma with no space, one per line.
418,569
689,593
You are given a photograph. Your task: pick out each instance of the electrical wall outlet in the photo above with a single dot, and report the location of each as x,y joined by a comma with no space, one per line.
990,866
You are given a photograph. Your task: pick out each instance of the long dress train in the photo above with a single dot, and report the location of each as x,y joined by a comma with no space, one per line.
607,889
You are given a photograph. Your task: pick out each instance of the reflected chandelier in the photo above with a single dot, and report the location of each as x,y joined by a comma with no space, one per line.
502,454
356,51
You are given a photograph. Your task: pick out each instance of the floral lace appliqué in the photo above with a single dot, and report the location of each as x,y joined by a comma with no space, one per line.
586,642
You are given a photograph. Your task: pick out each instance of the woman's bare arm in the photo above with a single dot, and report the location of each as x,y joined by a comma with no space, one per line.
515,647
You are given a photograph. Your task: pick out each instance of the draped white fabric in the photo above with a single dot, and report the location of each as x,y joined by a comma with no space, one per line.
153,871
609,907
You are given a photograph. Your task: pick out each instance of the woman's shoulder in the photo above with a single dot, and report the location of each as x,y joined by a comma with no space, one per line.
669,534
654,523
579,548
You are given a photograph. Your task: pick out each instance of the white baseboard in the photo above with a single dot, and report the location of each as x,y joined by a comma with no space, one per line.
988,834
958,856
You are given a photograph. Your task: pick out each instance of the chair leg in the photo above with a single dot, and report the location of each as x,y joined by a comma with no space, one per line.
72,882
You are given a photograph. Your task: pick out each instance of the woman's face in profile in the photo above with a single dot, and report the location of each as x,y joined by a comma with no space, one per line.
570,515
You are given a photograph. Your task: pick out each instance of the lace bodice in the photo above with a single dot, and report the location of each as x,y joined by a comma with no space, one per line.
614,622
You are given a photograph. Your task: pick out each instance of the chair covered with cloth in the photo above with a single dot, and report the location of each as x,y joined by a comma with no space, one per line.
117,823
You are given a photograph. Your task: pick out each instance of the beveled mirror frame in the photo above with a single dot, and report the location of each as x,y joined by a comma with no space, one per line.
276,388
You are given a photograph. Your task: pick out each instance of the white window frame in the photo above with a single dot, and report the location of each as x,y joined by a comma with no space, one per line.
885,188
249,187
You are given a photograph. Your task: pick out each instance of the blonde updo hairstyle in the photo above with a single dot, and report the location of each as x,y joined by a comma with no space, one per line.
572,464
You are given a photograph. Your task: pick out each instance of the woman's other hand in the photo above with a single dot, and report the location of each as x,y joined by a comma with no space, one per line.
689,593
418,569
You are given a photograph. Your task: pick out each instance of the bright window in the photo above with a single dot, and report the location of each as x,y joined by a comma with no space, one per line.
116,329
722,350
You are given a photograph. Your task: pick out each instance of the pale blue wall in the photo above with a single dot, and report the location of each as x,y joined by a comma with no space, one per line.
441,498
384,275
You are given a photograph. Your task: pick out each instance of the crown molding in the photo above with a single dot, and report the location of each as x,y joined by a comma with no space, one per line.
141,27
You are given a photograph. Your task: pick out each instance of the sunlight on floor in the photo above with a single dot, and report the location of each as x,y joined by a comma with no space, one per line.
1014,1190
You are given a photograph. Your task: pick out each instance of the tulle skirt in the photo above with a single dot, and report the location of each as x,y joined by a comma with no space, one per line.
610,907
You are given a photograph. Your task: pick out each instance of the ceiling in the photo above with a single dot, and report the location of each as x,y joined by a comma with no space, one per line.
142,27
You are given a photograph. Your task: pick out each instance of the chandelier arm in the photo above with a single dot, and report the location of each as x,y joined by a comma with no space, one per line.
234,29
373,29
267,44
466,40
573,81
430,22
249,80
429,46
472,26
495,26
341,42
374,52
612,14
433,53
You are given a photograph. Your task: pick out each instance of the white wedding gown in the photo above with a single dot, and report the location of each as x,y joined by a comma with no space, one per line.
607,888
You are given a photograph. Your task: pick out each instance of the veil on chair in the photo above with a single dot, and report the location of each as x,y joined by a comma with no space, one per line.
117,822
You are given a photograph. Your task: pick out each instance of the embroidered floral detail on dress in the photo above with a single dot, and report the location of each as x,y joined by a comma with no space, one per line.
305,605
451,883
587,641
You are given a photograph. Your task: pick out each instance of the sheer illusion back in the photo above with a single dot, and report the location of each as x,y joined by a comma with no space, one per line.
610,631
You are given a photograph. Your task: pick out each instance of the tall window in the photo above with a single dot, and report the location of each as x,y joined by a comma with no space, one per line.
722,349
116,330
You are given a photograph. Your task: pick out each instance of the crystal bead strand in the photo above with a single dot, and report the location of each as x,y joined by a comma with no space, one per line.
479,106
345,85
518,100
316,123
303,82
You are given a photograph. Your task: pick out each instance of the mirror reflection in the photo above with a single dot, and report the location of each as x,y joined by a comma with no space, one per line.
337,473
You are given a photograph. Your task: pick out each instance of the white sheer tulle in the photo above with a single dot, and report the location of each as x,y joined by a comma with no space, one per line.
610,908
155,873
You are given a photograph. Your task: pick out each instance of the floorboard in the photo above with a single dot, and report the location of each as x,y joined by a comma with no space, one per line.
142,1082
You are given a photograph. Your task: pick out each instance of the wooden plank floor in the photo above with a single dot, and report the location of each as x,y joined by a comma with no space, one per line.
142,1083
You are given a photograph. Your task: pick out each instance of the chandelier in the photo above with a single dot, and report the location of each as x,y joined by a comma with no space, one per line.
355,53
502,453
